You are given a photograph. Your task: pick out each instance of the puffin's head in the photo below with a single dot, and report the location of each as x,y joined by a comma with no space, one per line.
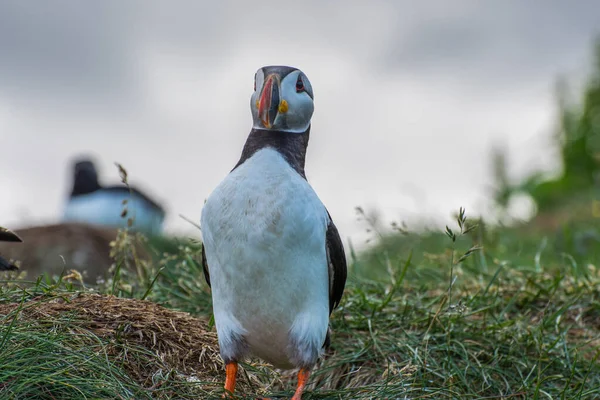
85,169
282,99
85,179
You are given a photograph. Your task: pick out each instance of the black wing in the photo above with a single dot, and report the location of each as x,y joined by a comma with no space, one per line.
205,266
337,265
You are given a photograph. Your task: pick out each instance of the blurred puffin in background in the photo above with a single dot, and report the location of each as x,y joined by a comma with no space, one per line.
8,236
91,203
271,252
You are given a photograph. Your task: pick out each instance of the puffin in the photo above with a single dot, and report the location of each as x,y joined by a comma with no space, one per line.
8,236
91,203
271,254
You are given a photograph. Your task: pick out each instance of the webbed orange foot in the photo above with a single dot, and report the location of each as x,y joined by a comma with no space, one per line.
230,376
303,375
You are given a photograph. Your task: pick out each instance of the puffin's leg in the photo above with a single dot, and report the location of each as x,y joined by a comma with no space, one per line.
230,375
303,375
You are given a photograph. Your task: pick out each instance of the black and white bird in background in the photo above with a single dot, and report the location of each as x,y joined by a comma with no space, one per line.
8,236
92,203
271,253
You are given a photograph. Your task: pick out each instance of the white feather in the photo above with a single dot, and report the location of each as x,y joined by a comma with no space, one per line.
105,208
264,232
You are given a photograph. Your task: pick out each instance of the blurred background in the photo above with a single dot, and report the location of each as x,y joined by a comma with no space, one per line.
420,108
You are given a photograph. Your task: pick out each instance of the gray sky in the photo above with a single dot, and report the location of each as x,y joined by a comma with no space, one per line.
409,99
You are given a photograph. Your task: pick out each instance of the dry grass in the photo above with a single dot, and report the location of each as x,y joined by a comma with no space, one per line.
183,343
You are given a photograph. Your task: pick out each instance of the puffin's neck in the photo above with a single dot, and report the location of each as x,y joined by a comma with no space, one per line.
292,146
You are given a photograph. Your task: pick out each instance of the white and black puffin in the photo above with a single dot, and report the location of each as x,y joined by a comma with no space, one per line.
92,203
271,252
8,236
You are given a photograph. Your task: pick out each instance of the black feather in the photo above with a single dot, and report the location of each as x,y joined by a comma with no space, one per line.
205,266
9,236
327,341
338,269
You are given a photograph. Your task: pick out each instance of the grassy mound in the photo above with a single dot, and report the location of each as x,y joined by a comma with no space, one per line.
472,313
84,345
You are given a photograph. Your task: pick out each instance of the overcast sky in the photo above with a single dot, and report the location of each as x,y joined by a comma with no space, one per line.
409,98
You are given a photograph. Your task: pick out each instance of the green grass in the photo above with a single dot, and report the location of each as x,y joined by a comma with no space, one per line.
517,319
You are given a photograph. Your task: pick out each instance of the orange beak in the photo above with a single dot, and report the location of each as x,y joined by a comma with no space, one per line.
268,104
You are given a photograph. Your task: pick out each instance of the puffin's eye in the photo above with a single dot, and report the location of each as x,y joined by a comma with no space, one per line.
299,85
255,82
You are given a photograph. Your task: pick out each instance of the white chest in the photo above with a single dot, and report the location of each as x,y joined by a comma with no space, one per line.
264,232
265,203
